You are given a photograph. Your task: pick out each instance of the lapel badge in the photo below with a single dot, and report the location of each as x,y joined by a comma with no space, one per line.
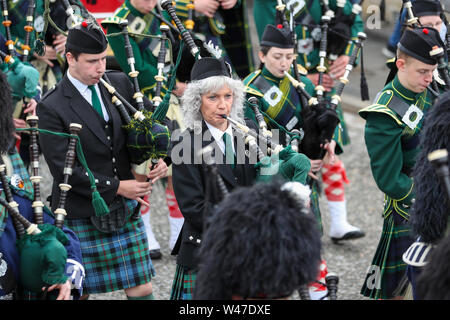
305,46
273,96
412,116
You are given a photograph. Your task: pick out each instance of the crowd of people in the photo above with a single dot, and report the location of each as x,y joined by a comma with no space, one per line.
171,92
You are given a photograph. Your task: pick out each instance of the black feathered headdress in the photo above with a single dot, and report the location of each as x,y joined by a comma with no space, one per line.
429,213
259,243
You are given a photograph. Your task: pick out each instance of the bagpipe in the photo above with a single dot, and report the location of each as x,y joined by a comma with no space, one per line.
447,25
28,29
274,160
287,160
7,24
340,27
217,191
321,119
332,35
281,17
147,137
335,36
23,78
75,13
41,245
319,115
216,185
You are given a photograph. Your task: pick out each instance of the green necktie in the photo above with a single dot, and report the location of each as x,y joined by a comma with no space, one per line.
96,101
229,154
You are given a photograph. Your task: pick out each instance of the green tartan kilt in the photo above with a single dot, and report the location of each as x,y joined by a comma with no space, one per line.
388,269
315,195
113,261
183,283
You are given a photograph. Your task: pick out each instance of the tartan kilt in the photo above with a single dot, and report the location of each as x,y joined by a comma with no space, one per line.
113,261
315,195
344,132
388,268
183,284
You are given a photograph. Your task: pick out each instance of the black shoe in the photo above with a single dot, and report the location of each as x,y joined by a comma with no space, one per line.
155,254
349,236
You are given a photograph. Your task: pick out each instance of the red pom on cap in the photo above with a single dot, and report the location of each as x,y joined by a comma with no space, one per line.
280,26
425,31
84,24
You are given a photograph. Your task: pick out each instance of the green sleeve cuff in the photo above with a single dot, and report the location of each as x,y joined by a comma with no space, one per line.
408,198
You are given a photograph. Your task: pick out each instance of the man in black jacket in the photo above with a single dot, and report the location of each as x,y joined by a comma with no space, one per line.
80,98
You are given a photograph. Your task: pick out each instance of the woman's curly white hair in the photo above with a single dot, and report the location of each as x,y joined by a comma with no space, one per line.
191,100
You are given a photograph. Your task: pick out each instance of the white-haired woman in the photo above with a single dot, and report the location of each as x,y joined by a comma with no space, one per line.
211,94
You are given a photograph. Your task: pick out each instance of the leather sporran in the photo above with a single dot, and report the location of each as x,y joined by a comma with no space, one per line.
115,220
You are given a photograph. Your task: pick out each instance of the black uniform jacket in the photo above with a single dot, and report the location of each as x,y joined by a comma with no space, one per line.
195,198
103,143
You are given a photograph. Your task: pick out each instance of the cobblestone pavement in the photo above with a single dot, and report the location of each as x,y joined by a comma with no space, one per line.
349,259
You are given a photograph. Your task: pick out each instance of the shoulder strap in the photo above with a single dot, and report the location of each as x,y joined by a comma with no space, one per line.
399,106
262,84
411,115
380,109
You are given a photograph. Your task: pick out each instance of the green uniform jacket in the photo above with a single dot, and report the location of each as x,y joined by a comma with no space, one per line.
281,109
308,49
392,144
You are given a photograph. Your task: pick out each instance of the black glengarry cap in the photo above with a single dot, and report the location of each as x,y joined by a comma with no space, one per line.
210,67
277,36
86,37
419,42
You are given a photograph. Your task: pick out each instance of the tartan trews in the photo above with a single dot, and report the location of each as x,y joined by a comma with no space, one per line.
113,261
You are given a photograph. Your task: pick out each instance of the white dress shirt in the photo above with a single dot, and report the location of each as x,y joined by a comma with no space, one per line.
218,136
87,94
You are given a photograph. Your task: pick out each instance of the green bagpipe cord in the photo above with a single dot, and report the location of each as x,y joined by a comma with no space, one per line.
99,204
